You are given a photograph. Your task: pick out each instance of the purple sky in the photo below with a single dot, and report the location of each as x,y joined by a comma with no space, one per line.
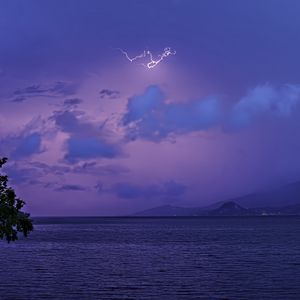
89,133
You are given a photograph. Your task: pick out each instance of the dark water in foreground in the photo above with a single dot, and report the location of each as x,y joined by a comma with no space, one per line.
155,258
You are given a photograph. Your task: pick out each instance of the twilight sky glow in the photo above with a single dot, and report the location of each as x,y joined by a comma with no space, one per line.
90,133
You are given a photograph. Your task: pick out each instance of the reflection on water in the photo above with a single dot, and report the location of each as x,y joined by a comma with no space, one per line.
154,258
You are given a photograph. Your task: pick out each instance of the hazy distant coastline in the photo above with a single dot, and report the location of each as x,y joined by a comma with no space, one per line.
284,200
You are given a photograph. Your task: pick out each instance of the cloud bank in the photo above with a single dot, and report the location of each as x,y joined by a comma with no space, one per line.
151,116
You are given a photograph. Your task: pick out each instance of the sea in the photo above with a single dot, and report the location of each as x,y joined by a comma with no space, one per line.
154,258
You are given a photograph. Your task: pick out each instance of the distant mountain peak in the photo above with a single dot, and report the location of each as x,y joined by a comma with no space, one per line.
229,208
230,205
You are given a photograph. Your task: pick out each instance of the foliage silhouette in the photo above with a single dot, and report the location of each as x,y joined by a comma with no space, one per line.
12,219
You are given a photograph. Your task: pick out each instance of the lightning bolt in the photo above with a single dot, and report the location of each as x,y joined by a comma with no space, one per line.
146,53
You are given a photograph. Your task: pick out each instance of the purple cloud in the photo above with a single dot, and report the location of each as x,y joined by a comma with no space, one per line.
71,187
23,145
72,102
58,89
110,94
265,100
80,148
149,116
166,190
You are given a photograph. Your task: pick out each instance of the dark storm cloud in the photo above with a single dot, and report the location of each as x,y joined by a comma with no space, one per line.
76,123
149,116
86,168
68,121
80,148
33,89
21,146
59,89
72,102
28,145
71,187
142,105
110,94
34,174
86,140
53,169
20,174
127,190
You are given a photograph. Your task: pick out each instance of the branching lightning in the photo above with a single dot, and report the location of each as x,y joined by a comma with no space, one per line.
148,54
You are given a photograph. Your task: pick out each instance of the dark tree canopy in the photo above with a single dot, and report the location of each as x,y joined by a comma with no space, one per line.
12,219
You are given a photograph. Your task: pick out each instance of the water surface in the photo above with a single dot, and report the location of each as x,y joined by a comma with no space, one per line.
154,258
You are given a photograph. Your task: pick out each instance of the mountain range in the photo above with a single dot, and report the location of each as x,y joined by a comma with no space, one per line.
284,200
